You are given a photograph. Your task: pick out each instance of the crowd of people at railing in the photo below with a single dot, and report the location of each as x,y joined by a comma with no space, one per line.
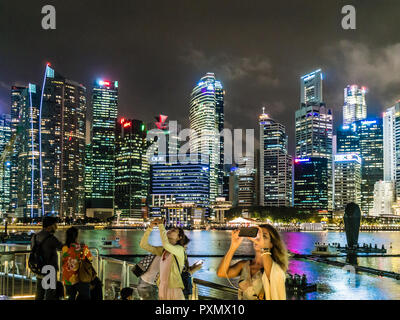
165,274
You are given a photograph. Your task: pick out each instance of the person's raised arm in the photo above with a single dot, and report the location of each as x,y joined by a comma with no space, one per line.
264,242
178,251
144,242
224,269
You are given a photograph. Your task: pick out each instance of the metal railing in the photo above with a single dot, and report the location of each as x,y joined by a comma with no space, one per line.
18,282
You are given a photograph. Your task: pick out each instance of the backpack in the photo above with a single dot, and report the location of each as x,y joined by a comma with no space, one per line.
186,278
36,260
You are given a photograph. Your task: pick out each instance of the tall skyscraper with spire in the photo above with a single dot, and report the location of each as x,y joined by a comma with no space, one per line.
25,167
62,116
49,124
314,130
275,164
207,120
355,107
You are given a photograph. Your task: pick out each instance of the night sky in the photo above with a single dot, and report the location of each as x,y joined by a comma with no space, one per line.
158,50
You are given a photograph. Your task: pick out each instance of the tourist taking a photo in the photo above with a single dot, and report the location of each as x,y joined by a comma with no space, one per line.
172,262
262,278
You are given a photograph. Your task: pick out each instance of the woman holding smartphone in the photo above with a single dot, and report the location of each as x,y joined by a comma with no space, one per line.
172,262
262,278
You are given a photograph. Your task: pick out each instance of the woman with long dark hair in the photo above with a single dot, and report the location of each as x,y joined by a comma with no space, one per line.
262,278
73,254
173,259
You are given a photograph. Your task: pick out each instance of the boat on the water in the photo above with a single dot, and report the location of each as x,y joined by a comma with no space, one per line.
110,243
323,249
16,238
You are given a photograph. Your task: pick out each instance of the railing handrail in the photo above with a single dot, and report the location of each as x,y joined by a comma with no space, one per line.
101,266
213,285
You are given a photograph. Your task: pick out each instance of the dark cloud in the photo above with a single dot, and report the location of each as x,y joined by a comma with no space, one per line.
158,50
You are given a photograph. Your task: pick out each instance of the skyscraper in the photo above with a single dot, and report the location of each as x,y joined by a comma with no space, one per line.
314,131
311,184
371,151
314,128
311,88
391,135
365,138
246,182
62,116
347,180
5,170
384,199
104,108
26,186
19,98
207,120
348,140
275,164
180,182
355,107
131,168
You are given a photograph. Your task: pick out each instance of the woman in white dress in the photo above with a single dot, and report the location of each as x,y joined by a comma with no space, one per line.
262,278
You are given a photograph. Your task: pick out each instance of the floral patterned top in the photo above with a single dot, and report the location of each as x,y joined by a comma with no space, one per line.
70,262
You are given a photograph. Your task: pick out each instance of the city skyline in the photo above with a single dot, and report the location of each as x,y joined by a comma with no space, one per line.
253,72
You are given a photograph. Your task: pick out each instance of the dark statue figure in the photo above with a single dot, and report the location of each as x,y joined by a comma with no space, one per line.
352,219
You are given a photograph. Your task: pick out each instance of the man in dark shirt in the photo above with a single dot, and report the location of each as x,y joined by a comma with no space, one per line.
49,245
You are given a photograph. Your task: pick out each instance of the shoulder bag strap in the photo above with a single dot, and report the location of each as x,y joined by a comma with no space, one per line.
177,263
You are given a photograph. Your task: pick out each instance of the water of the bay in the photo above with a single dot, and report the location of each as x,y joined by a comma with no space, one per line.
333,282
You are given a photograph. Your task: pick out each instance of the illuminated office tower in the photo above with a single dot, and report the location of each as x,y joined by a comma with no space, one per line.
365,138
347,180
384,199
275,169
371,152
391,146
389,142
131,168
5,170
62,145
397,138
19,98
313,124
355,107
88,171
311,184
207,120
314,127
246,175
178,182
26,161
104,108
348,140
311,87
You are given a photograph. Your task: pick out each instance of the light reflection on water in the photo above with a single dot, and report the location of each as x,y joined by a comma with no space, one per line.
333,282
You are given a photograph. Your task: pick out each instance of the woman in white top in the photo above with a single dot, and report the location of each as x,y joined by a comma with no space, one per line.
262,278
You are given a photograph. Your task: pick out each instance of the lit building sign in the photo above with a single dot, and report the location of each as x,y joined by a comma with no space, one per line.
157,159
368,122
104,83
302,160
348,157
160,122
310,75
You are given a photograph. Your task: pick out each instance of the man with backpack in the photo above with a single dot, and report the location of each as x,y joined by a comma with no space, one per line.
44,252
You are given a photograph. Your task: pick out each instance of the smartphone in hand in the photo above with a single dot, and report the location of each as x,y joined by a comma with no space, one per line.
250,232
199,262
